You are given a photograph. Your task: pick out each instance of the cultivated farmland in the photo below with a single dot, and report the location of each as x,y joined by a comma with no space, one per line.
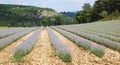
80,44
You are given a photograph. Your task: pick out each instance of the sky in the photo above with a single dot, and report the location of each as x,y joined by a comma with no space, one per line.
58,5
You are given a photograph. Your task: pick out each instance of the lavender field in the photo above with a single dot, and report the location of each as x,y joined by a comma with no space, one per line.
93,43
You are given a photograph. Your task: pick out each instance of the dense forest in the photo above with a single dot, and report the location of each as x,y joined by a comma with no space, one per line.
101,10
20,15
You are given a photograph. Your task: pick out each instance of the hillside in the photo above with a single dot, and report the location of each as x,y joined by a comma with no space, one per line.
20,15
70,14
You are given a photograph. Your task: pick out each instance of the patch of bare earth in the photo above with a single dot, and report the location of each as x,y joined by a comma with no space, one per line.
7,52
83,57
111,57
43,53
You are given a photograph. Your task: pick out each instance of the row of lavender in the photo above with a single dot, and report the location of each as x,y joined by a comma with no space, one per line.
26,46
104,41
108,36
8,40
105,31
10,31
86,44
61,49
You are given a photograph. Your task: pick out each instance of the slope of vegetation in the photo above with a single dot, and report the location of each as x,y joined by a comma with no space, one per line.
20,15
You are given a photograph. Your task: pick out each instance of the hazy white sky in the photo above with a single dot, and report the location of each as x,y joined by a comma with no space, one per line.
58,5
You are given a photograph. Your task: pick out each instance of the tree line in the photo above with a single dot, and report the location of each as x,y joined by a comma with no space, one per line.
101,10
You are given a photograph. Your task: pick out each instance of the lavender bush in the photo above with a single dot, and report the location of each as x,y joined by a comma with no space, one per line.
26,46
86,44
61,49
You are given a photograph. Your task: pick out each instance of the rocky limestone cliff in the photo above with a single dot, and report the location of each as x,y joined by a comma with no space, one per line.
48,13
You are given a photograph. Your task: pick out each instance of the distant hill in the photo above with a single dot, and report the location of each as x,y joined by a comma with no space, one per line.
24,10
21,15
70,14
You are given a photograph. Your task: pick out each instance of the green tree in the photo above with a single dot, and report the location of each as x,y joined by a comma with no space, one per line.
80,16
86,6
103,13
43,21
116,13
58,20
107,5
84,16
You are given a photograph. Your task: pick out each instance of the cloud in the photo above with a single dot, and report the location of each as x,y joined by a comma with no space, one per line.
77,1
52,0
1,2
21,2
